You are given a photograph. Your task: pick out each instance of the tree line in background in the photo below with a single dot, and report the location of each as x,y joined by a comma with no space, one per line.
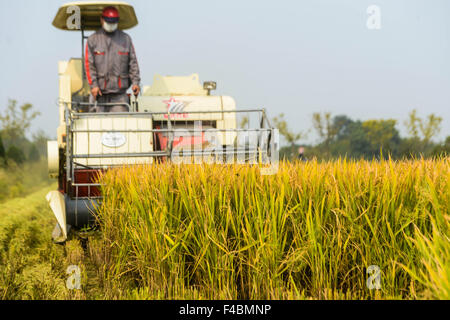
15,148
340,136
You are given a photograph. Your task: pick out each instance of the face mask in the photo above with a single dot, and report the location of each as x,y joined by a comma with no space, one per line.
109,27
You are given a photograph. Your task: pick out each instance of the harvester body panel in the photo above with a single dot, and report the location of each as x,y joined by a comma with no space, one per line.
175,119
109,136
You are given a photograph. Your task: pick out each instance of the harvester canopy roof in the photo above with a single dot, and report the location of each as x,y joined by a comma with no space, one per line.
91,12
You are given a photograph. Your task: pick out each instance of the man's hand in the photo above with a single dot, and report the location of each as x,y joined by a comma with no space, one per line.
95,92
136,90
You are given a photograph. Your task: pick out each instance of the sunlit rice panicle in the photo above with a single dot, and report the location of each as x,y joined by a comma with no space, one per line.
310,230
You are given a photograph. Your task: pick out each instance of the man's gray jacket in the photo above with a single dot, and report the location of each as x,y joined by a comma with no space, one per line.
110,62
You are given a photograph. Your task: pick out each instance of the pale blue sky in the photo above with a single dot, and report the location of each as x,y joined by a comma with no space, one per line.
290,56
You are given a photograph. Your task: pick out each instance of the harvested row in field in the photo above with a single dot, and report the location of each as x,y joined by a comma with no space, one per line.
310,231
31,265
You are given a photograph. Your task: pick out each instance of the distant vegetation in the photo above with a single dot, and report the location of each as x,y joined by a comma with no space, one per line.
23,165
340,136
31,265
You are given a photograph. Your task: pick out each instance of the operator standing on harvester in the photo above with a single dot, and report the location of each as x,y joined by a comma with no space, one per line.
111,65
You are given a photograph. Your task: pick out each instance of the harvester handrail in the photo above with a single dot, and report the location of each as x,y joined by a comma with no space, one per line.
122,155
146,113
99,103
167,130
262,111
167,127
77,104
157,153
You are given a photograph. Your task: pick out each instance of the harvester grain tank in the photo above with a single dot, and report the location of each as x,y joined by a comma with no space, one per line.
174,119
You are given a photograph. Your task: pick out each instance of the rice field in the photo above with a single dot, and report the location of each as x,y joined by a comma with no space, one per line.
31,266
311,231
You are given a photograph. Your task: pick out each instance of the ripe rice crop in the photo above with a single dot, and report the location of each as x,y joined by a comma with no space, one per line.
309,231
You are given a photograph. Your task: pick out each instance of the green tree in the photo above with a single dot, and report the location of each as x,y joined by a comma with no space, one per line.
412,124
15,154
325,128
420,134
443,149
430,127
382,135
424,129
340,125
2,148
2,152
33,154
352,141
40,139
290,136
16,121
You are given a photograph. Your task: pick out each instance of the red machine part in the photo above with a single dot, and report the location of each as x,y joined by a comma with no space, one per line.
180,141
81,176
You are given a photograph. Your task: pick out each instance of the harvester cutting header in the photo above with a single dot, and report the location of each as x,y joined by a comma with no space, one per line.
101,126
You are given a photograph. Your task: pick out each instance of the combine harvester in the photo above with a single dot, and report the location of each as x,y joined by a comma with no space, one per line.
175,119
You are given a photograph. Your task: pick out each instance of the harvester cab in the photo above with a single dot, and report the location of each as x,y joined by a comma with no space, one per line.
175,119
